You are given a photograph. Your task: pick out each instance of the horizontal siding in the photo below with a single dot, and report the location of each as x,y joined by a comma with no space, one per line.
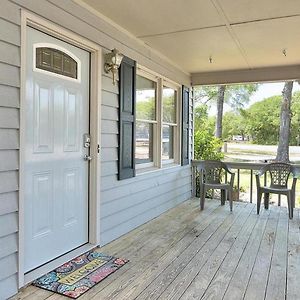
8,286
137,203
9,144
8,266
9,117
9,96
8,203
109,154
11,34
129,203
9,75
8,224
109,126
9,245
10,54
9,139
109,113
9,160
9,181
131,224
11,12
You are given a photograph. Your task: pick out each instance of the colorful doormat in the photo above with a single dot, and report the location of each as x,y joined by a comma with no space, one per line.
80,274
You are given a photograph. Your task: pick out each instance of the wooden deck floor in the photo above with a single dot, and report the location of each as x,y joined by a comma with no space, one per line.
214,254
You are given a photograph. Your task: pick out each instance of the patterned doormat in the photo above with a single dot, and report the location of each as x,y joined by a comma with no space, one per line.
77,276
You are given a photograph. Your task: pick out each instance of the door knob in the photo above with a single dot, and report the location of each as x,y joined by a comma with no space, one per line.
87,157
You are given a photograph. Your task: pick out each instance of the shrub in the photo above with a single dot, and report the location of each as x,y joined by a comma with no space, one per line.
206,146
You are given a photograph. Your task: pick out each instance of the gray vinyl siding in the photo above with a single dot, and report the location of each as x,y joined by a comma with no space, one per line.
124,204
9,145
131,202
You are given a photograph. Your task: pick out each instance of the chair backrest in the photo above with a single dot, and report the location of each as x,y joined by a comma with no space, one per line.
279,174
213,170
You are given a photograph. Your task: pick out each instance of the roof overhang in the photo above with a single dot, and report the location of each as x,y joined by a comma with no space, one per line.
217,41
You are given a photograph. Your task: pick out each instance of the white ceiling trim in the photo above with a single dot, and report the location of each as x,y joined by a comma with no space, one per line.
270,74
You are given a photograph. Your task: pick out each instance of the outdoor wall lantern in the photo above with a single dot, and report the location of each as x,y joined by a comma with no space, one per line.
112,63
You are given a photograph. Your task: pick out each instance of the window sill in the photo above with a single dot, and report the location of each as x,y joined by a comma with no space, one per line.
170,165
147,170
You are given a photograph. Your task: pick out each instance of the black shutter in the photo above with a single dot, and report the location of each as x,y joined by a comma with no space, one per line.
185,127
127,77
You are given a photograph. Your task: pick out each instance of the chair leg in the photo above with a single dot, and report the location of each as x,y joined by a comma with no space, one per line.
259,195
290,205
294,199
230,199
223,197
202,197
267,200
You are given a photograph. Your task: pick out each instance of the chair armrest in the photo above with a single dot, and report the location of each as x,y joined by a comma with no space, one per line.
261,172
228,170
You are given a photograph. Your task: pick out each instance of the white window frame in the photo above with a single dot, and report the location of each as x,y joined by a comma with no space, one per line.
142,73
176,125
158,163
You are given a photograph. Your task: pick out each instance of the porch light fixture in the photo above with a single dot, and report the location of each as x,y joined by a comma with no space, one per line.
112,63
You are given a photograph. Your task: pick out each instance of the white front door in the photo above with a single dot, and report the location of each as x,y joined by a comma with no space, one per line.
56,170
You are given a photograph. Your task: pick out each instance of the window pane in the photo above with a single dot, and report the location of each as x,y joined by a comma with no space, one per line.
145,98
56,61
168,142
144,143
169,105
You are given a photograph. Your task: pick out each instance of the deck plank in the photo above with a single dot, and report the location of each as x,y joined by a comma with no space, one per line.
213,254
218,285
239,281
204,277
163,238
260,273
192,262
293,270
276,288
126,287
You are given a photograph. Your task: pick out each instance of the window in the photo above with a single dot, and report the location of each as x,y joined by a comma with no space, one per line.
55,61
146,123
169,123
157,115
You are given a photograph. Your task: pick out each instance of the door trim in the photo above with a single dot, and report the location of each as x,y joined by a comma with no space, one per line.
29,19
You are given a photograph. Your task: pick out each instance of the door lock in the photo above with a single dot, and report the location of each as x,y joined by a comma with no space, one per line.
86,140
87,157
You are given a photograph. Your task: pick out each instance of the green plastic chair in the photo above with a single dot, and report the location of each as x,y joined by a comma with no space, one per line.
211,177
279,173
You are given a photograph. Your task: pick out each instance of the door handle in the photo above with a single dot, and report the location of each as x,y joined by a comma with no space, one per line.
87,157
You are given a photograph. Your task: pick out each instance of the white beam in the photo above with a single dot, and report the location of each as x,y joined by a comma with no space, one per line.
269,74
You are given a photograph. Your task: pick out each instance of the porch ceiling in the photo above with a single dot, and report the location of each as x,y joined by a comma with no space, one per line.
244,34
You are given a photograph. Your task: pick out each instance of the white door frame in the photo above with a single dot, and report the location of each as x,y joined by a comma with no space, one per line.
29,19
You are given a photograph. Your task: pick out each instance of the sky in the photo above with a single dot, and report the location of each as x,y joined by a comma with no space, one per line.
265,90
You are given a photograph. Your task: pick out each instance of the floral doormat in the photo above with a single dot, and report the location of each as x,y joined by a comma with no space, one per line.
80,274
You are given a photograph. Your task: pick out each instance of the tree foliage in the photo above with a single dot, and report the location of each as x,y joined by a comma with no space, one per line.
207,146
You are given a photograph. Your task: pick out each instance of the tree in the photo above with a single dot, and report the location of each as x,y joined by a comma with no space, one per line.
262,120
235,95
285,123
234,124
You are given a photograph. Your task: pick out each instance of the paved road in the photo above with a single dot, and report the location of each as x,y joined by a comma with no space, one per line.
263,152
